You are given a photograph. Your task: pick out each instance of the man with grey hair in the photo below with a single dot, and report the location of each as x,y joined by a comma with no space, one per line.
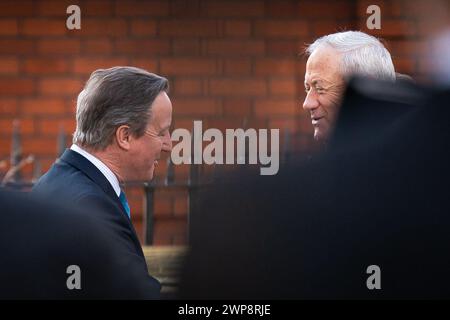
123,117
331,60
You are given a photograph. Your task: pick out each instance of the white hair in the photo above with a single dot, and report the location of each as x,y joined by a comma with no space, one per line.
361,53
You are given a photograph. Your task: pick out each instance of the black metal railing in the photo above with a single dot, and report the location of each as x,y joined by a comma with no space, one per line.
198,176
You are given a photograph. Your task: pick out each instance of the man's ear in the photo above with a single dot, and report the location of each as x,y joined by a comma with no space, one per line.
123,137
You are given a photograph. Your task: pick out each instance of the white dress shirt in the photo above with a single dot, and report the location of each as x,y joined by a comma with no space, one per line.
100,166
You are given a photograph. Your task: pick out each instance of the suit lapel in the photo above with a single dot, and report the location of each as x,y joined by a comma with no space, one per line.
81,163
84,165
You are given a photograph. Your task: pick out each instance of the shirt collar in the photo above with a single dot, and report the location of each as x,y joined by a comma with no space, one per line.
100,166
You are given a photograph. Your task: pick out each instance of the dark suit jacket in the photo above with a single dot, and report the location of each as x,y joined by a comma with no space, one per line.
40,240
379,196
76,181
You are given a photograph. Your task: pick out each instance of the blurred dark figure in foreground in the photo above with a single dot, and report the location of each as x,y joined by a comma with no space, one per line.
378,196
41,247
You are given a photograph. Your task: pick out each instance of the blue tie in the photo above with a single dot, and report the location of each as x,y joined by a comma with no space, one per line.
124,202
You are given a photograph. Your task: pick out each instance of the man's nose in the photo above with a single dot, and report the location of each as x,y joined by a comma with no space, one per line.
311,102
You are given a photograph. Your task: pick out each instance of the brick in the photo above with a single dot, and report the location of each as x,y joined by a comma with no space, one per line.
389,9
238,28
237,107
281,29
324,27
409,47
8,27
142,47
225,123
235,47
238,87
238,66
43,106
180,207
9,66
56,8
188,66
16,46
98,8
52,127
162,207
8,106
284,47
184,86
142,8
429,27
405,65
39,146
284,86
186,46
187,27
26,126
421,8
5,148
272,66
97,46
195,106
60,87
185,8
11,8
6,126
282,9
393,28
284,124
397,9
276,107
326,9
362,5
143,28
45,66
234,8
89,65
104,27
15,86
148,64
43,27
58,46
181,121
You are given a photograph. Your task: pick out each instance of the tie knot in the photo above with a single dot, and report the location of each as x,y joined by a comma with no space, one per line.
124,202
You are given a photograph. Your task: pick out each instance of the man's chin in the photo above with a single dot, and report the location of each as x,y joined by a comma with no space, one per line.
320,136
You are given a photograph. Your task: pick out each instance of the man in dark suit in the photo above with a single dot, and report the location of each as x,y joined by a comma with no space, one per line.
123,119
377,197
51,251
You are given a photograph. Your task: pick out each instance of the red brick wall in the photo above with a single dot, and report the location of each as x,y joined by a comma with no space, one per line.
226,60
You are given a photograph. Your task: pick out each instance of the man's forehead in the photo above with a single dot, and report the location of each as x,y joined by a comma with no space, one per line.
322,65
161,113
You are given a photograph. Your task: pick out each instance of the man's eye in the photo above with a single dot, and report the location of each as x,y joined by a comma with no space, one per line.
307,90
320,90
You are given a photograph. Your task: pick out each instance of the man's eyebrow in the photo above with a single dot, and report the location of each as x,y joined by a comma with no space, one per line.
313,82
317,81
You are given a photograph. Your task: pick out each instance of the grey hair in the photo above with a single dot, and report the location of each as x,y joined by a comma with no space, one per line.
114,97
362,54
